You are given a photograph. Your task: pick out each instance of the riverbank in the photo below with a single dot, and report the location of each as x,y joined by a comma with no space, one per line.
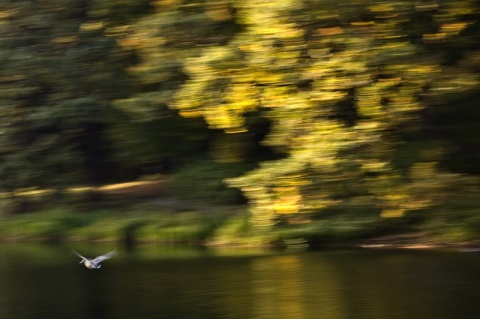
138,212
416,241
150,223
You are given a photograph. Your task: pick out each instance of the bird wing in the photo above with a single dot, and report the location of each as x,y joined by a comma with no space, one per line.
101,258
78,255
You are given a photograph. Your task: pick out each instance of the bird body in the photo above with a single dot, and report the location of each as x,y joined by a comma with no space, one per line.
95,262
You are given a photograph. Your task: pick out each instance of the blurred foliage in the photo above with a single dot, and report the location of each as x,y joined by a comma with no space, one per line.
357,105
202,181
137,225
345,86
56,83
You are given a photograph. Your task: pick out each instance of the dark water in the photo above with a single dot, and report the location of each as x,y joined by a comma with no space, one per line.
151,282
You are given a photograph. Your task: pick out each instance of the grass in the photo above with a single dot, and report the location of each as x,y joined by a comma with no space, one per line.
64,224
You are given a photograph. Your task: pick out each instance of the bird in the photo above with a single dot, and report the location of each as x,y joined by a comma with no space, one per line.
95,262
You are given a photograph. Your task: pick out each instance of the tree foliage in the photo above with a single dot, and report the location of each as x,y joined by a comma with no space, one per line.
344,85
55,88
367,103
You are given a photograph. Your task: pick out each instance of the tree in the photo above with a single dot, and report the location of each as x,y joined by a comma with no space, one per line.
148,131
349,90
56,88
344,86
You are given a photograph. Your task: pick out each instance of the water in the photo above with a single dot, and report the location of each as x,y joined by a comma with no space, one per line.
151,282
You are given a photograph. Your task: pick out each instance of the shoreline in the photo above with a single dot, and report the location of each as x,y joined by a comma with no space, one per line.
399,242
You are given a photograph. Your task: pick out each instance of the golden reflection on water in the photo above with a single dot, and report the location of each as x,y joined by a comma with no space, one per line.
283,289
43,282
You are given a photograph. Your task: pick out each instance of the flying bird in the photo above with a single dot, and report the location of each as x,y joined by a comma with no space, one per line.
95,262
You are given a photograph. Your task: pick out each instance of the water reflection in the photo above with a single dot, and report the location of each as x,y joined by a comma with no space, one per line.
154,282
286,287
